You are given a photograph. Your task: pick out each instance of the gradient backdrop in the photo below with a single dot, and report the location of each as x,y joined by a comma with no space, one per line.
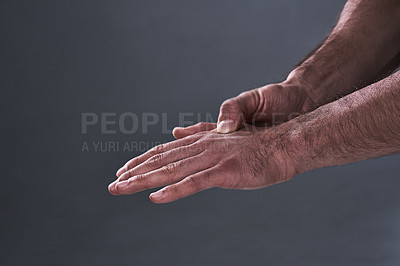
60,59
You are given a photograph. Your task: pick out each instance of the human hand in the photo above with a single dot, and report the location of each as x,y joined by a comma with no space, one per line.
246,159
265,106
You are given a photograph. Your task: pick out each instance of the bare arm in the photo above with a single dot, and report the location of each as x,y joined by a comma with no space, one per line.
359,126
362,125
363,48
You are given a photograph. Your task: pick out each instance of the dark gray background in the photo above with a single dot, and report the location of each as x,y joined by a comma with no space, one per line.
62,58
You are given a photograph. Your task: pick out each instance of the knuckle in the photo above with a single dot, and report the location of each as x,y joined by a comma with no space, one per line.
172,189
143,181
140,178
247,93
129,174
200,135
198,181
193,182
206,177
229,108
202,124
126,175
160,148
170,168
157,149
156,159
228,103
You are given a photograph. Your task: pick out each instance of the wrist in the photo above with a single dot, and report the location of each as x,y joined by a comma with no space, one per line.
297,147
307,87
284,145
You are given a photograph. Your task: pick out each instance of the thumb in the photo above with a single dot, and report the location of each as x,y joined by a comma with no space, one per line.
230,117
235,111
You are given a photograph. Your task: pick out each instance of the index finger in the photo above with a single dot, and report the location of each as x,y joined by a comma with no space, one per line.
156,150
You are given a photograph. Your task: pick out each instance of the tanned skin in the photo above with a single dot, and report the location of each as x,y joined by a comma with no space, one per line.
340,105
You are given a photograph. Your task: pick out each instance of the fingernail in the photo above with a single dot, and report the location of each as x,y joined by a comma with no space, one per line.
156,195
110,186
122,184
226,126
175,129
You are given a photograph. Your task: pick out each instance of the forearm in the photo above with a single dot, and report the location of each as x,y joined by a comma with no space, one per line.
359,126
363,47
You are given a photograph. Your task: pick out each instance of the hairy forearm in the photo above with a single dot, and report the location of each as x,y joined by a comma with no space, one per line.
359,126
363,48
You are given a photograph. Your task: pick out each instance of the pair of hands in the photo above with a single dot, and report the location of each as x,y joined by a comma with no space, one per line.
205,156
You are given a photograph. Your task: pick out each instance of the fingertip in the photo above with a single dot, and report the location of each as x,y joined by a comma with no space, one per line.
177,128
121,171
176,131
111,189
156,197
